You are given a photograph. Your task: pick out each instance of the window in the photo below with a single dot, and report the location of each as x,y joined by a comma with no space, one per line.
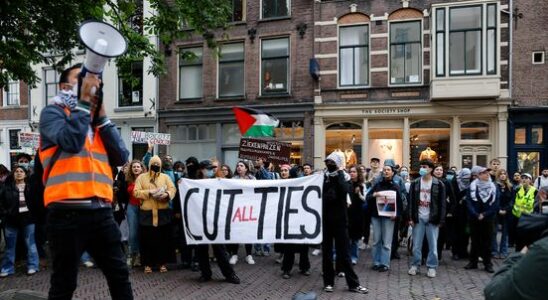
275,66
275,8
474,131
429,139
536,134
520,135
238,11
353,55
51,83
131,91
193,140
11,94
135,21
190,69
465,36
231,76
14,139
405,52
538,57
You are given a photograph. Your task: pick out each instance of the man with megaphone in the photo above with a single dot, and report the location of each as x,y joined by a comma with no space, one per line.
79,148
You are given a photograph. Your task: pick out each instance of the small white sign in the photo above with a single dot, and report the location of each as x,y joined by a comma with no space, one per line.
141,137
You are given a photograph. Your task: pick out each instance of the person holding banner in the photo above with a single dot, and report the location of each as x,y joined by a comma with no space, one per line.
335,220
155,190
206,170
242,172
385,204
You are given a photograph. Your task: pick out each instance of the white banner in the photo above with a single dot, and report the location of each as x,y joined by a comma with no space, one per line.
142,137
387,204
224,211
29,139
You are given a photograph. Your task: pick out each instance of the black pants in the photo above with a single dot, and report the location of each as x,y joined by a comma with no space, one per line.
339,233
289,257
70,233
366,227
222,260
451,231
462,236
482,237
40,238
233,249
155,245
395,237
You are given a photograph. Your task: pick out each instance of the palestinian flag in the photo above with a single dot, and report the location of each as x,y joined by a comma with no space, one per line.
255,123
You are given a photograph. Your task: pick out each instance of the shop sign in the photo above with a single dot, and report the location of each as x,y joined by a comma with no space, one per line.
269,150
387,111
141,137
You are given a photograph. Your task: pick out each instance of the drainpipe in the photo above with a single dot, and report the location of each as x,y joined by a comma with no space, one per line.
511,50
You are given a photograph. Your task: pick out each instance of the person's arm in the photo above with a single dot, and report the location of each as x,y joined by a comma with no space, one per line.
67,132
412,201
521,276
470,206
262,174
493,208
171,190
138,190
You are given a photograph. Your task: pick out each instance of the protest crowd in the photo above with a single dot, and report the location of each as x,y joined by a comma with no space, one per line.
380,207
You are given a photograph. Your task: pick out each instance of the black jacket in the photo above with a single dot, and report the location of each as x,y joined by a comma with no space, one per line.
335,190
437,204
9,206
450,197
355,211
384,185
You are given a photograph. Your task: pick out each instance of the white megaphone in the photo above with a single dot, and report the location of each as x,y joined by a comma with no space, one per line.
103,42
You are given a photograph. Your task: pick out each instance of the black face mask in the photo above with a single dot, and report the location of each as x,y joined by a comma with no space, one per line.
331,167
155,168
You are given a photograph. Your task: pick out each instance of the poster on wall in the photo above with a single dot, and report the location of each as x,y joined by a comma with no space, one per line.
386,203
384,149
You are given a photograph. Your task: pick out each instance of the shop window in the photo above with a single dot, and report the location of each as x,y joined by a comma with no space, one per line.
131,90
474,131
386,144
231,70
275,8
346,140
275,66
354,55
190,73
11,94
520,135
238,11
14,139
528,162
51,84
471,35
429,139
405,52
292,132
536,135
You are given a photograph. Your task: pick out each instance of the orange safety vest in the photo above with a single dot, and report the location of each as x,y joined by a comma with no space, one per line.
76,176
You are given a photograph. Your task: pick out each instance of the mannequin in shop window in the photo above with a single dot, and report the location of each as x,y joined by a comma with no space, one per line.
351,158
428,153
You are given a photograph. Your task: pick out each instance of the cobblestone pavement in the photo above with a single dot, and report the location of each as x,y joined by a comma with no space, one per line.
264,281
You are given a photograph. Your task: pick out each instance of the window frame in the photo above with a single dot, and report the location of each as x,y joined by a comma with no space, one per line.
446,73
46,83
231,19
421,54
17,131
477,141
242,61
288,58
465,31
179,72
368,55
543,54
9,94
121,87
261,17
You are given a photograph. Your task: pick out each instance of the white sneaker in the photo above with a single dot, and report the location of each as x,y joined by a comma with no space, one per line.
316,252
31,272
233,259
89,264
431,273
280,259
412,271
249,260
4,274
361,245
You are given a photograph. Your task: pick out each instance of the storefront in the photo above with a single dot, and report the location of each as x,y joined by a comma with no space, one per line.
213,133
458,133
527,133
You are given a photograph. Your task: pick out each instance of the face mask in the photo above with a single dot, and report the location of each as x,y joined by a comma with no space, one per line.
404,173
210,173
332,168
70,98
423,171
179,174
155,168
24,165
449,177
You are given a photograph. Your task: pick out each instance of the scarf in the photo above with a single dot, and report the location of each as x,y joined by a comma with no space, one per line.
486,189
65,98
463,179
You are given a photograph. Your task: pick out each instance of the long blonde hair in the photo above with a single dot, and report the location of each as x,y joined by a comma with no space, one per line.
506,182
130,177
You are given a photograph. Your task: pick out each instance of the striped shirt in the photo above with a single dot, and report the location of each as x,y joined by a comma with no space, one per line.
22,203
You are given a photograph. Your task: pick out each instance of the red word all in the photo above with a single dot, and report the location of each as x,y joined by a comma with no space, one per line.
243,216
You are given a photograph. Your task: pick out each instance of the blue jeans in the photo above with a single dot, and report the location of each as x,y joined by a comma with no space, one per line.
431,231
501,248
383,231
11,241
133,225
354,250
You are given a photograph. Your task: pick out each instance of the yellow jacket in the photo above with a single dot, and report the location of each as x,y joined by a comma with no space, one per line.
148,182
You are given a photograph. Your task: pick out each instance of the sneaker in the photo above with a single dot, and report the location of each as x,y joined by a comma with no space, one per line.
4,274
31,272
431,272
384,269
286,275
412,271
280,259
249,260
233,259
375,267
88,264
359,289
471,266
316,252
341,274
306,272
361,245
328,288
233,279
354,262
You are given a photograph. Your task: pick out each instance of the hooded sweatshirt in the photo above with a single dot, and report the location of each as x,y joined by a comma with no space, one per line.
148,182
